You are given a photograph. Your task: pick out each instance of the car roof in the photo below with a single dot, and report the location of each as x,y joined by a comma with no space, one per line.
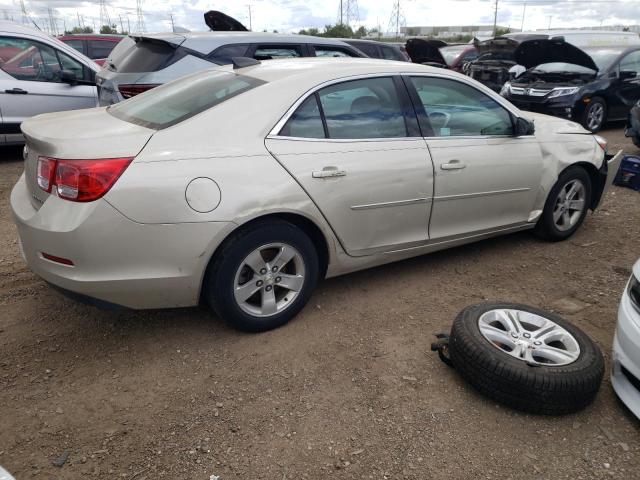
206,42
316,70
91,36
15,28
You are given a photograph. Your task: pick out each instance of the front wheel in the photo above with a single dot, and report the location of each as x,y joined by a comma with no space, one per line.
566,206
595,115
262,276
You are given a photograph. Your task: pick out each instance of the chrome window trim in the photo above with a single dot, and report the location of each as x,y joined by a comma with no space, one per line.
463,196
273,133
396,203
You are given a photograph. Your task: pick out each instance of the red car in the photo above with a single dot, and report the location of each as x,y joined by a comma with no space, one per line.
95,46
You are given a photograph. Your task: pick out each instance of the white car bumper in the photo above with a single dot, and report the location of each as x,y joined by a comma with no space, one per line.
625,372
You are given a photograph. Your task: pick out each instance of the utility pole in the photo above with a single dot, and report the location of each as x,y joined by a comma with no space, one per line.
524,11
348,13
250,26
121,25
173,27
341,10
128,24
397,19
104,14
550,17
495,20
140,26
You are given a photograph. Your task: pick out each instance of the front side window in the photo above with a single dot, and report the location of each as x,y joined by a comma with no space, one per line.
34,61
229,51
177,101
390,53
269,52
325,51
457,109
369,49
631,63
76,45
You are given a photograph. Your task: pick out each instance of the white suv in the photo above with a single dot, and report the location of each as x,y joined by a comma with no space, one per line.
40,74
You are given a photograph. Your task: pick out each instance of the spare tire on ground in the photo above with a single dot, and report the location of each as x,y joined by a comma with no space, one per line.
526,358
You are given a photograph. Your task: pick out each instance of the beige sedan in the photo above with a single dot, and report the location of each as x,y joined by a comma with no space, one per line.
242,187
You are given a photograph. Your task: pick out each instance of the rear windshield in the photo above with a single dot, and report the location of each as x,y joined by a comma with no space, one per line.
604,57
174,102
147,56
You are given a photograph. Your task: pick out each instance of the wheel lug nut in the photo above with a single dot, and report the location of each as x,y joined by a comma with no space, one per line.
278,279
263,271
259,283
537,343
274,269
268,288
526,335
514,334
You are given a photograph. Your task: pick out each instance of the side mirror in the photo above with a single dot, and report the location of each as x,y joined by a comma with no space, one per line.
524,127
68,76
627,74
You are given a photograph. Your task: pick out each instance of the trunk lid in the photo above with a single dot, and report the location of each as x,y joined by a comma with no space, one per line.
219,22
425,51
532,53
77,135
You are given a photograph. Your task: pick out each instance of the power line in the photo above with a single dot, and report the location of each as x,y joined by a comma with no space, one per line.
348,12
397,20
140,17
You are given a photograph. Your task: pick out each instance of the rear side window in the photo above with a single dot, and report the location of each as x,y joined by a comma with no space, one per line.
369,49
268,52
229,51
148,56
355,109
173,103
306,121
390,53
100,48
327,51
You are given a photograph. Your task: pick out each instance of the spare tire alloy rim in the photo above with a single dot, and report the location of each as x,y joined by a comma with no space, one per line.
595,116
269,279
570,203
529,337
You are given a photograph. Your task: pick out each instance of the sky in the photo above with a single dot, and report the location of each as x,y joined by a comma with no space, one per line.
293,15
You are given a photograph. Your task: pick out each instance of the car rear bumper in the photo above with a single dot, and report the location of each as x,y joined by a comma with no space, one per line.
625,371
115,260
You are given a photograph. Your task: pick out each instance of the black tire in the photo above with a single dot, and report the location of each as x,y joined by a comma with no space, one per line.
218,286
546,227
549,390
595,102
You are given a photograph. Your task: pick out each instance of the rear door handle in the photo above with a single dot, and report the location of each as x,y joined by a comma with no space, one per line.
329,172
16,91
453,165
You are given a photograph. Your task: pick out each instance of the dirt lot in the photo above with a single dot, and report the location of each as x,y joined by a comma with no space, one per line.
347,390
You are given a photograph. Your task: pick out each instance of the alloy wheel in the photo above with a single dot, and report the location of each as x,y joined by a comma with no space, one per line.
570,205
595,116
529,337
269,279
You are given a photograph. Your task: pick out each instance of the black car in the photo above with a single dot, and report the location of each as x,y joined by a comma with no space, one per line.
633,125
590,86
374,49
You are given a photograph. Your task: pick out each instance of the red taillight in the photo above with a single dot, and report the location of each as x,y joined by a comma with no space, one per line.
80,180
128,91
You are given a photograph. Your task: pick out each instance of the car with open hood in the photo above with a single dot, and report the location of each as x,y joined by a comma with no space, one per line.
590,86
243,187
457,56
142,62
426,51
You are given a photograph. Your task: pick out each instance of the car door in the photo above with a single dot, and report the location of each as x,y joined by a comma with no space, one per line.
627,86
358,153
485,177
30,83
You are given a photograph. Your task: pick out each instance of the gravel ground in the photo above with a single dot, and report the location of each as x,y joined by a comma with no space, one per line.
347,390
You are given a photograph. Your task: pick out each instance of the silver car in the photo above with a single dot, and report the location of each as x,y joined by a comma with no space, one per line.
39,74
243,188
140,63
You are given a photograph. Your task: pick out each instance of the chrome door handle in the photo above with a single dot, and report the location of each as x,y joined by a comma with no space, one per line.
16,91
329,172
453,165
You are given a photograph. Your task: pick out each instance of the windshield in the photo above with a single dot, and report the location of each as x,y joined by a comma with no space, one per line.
174,102
603,57
453,52
563,67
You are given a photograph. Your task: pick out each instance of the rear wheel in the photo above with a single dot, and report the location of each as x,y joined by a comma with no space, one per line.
566,205
262,276
595,115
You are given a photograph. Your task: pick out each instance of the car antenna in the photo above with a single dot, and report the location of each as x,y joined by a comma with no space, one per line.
242,62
